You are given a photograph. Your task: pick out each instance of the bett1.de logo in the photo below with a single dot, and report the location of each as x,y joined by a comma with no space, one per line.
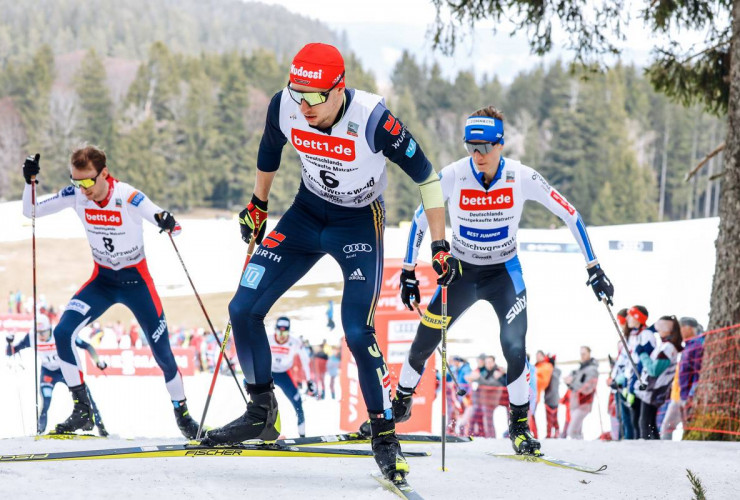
323,145
102,217
498,199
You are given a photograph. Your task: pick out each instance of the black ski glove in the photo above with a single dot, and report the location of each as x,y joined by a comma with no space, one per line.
409,288
600,284
447,267
31,168
166,221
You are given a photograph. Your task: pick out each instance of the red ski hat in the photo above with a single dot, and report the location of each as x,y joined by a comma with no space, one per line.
317,65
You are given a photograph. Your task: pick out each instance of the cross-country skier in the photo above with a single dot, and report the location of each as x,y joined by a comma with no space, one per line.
486,193
51,374
111,212
284,349
343,137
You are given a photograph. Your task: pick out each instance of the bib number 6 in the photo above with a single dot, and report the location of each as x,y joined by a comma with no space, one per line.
328,178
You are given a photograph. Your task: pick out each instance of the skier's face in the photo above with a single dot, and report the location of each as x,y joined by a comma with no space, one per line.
98,190
488,162
321,115
281,336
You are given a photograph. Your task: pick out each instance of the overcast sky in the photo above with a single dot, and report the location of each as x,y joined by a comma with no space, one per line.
379,30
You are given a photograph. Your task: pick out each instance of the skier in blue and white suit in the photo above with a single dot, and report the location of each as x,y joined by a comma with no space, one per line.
485,195
343,137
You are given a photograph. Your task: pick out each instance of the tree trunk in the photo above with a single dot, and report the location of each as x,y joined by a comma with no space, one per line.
717,401
664,165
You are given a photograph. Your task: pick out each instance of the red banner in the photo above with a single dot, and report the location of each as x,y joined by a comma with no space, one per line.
395,328
140,362
15,324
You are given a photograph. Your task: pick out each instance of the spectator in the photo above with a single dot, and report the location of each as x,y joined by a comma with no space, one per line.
319,362
332,366
658,365
552,398
463,405
489,394
686,377
622,372
582,384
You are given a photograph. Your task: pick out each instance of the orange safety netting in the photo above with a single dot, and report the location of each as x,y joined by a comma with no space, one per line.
713,407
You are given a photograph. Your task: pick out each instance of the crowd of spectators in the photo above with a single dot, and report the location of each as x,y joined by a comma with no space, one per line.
645,404
648,403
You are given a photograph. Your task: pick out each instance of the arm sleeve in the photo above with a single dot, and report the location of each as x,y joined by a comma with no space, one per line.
26,342
655,367
273,139
303,355
88,347
388,134
49,204
536,188
144,207
419,223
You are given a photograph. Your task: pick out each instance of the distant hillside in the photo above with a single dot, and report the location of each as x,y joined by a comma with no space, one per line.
126,29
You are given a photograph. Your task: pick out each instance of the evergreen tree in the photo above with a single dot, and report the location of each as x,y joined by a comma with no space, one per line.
96,106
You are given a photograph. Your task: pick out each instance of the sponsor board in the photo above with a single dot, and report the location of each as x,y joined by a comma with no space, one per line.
11,324
136,362
634,246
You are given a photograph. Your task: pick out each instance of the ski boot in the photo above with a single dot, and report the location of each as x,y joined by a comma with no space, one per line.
81,417
402,402
261,421
188,426
521,437
386,447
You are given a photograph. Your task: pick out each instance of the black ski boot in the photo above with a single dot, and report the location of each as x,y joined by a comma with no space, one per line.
521,437
402,402
261,421
188,426
387,449
81,417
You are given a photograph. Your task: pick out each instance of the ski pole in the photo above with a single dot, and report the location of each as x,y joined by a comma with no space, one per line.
208,319
35,312
217,367
598,406
444,374
460,390
642,385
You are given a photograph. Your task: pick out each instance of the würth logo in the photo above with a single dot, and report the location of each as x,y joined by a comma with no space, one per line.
323,145
102,217
498,199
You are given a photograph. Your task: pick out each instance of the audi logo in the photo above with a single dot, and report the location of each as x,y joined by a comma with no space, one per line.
357,247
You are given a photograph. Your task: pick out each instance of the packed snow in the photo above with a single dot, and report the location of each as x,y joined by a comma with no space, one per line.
667,267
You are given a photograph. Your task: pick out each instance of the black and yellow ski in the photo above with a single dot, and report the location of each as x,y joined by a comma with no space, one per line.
548,460
67,435
195,451
398,486
359,438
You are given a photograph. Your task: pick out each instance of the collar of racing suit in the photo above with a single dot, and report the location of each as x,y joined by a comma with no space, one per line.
111,185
